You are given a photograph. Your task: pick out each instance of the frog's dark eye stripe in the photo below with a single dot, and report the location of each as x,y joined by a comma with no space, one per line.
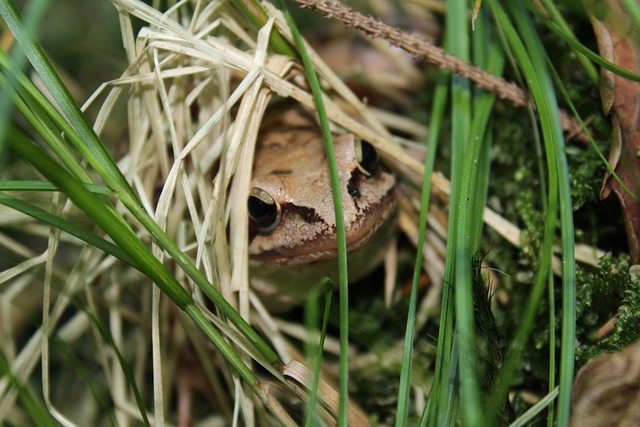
263,210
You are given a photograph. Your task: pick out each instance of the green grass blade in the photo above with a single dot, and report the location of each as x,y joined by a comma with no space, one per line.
532,412
533,65
34,12
555,142
316,90
314,351
468,232
557,17
47,186
439,410
37,110
552,348
256,15
33,406
573,42
457,43
435,125
62,224
633,9
92,148
517,346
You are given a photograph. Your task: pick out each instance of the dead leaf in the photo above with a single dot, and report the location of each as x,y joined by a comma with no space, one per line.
618,42
300,378
606,391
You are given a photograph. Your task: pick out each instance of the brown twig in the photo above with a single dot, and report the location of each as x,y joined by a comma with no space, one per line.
414,45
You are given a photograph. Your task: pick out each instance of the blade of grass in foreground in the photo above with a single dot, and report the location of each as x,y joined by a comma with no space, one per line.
316,90
473,184
533,63
555,141
519,341
435,125
457,295
440,391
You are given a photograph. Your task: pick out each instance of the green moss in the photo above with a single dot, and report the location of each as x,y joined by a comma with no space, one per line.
603,294
586,172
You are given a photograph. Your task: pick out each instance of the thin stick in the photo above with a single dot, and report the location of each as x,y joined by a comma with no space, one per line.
417,46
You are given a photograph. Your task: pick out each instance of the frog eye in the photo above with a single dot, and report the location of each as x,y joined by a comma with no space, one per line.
263,210
367,157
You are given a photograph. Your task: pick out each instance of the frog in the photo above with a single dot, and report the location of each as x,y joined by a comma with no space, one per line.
292,227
